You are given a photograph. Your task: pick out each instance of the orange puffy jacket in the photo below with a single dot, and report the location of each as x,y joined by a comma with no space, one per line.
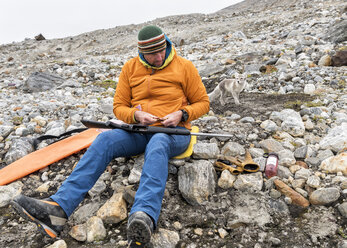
160,92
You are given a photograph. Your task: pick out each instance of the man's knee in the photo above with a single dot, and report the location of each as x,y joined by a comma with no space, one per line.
102,137
161,137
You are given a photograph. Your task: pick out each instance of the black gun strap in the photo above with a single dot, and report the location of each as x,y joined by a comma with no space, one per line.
38,140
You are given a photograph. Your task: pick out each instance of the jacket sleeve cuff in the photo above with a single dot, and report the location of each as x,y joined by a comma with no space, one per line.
134,119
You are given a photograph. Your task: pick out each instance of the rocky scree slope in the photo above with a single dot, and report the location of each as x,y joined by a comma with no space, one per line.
293,53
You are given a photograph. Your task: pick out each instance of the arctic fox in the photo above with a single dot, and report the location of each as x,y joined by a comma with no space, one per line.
233,86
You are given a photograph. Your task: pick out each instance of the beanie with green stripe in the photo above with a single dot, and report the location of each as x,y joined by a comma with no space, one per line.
151,39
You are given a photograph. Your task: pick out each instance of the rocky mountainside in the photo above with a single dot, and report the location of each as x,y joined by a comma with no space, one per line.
293,54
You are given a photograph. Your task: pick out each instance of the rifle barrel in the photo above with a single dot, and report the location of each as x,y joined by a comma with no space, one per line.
213,135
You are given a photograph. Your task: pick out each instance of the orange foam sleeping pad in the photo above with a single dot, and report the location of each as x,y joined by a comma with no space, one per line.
48,155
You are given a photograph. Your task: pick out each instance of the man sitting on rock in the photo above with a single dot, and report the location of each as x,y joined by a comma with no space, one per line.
157,88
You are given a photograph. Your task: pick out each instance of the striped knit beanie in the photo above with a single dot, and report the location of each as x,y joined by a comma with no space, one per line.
151,39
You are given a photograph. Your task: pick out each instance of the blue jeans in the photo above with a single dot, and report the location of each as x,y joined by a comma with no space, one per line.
158,149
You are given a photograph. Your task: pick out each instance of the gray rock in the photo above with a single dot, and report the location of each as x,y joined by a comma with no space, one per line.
86,211
271,145
279,206
276,117
79,232
41,81
284,172
342,244
19,148
283,62
172,169
337,32
275,241
205,150
294,33
135,175
249,182
292,122
271,61
309,89
343,209
197,181
252,69
275,194
320,222
301,152
8,192
226,180
234,117
313,162
98,188
336,139
302,174
247,120
288,145
298,183
309,125
247,209
106,108
165,238
269,126
301,192
208,70
209,119
324,196
313,181
239,35
5,131
95,229
69,83
286,158
340,117
256,152
55,131
58,244
233,149
324,154
261,161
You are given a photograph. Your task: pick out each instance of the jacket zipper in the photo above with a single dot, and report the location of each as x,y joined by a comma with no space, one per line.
149,89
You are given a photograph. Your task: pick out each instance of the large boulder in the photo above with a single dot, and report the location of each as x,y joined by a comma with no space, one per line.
337,32
339,59
336,139
197,181
41,81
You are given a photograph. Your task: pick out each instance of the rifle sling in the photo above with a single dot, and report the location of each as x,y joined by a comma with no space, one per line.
62,136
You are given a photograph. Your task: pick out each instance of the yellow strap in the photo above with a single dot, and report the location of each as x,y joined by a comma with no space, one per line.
189,150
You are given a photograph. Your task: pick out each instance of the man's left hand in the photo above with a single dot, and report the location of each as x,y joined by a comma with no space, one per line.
172,120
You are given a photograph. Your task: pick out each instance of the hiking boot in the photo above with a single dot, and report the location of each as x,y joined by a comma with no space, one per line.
140,228
46,214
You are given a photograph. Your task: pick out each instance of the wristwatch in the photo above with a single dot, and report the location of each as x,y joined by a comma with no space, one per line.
185,115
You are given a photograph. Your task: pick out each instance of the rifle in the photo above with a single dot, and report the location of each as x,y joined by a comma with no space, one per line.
139,128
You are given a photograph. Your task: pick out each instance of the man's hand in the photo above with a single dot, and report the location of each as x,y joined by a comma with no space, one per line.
172,120
146,118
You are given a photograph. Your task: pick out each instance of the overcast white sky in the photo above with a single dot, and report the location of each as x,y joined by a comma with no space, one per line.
20,19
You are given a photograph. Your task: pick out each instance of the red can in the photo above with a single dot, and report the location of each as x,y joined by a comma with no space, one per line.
271,165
